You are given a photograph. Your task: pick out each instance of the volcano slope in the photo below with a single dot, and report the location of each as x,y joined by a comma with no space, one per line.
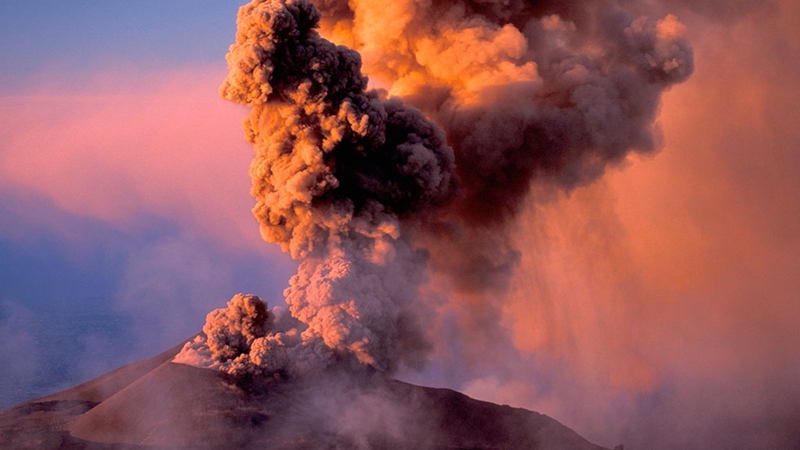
159,404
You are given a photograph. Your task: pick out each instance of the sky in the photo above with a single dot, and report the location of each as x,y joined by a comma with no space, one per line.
656,307
124,186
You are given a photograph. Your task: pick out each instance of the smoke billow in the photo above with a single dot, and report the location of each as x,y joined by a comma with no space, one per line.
340,176
367,191
545,93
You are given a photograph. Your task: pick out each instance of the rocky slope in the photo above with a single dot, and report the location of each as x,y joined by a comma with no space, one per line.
158,404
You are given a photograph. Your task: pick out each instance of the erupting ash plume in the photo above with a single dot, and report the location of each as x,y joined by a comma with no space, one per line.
364,189
528,92
339,175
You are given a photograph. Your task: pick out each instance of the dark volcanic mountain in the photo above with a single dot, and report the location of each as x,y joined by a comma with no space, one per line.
158,404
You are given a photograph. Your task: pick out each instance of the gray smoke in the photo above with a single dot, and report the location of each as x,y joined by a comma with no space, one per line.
545,93
364,189
340,175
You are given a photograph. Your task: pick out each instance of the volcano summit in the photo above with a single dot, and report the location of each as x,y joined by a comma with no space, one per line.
158,404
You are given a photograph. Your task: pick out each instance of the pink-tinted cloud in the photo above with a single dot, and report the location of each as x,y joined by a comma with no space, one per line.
128,144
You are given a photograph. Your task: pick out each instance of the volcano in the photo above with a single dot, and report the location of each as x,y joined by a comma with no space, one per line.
160,404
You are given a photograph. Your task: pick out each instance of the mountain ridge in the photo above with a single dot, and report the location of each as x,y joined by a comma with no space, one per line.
155,404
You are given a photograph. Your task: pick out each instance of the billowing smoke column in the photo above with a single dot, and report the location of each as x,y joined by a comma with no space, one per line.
339,176
364,189
545,92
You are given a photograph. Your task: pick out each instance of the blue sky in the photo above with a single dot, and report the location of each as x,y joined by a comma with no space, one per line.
74,38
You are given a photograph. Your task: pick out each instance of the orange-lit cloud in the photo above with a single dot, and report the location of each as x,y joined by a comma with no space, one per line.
664,297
